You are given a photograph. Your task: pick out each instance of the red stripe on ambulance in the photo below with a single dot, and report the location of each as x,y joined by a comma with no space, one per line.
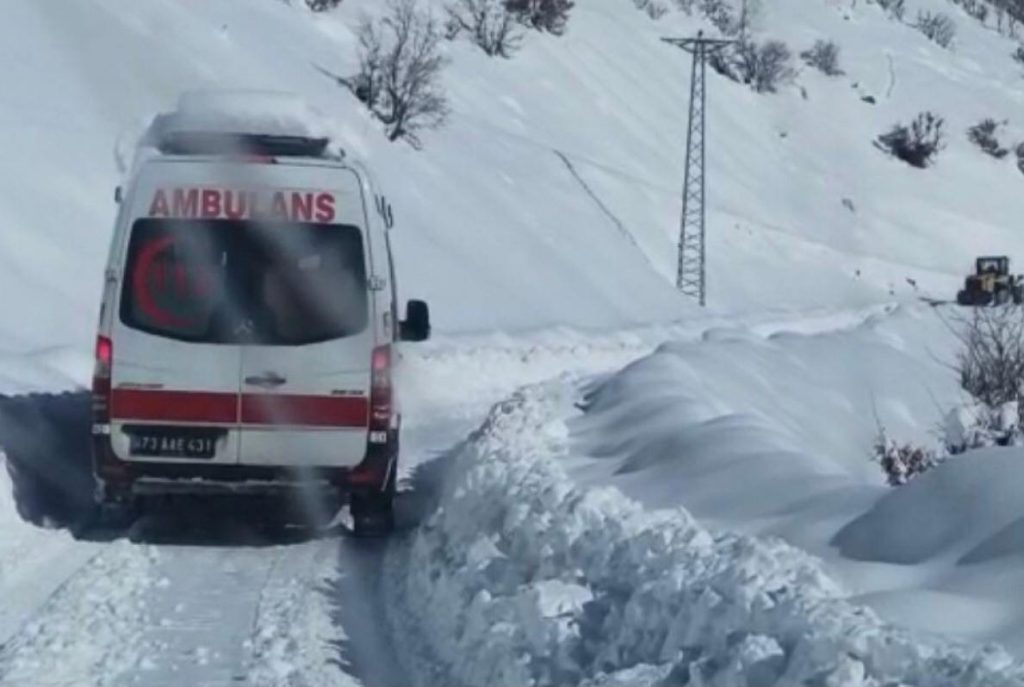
306,411
174,406
284,410
221,203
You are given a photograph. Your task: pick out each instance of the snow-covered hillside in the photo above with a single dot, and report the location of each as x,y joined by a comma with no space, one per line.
541,223
488,202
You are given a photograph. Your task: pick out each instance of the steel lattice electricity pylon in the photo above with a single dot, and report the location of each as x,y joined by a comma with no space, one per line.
691,275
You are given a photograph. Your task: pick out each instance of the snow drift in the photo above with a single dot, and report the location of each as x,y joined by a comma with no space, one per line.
517,577
743,427
969,508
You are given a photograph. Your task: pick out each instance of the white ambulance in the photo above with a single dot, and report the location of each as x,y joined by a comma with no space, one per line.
249,318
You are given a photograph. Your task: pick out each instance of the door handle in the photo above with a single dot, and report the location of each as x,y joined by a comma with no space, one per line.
267,380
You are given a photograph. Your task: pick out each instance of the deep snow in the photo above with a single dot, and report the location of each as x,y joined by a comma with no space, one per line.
772,434
517,577
512,219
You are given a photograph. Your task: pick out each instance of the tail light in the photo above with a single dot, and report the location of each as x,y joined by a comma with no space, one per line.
113,473
373,471
380,390
101,380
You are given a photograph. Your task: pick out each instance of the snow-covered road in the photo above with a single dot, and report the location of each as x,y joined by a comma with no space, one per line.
468,593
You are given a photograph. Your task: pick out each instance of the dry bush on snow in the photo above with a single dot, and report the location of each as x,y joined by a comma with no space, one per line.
990,361
901,462
488,23
990,365
976,9
918,144
763,67
322,5
983,135
897,9
823,56
655,9
544,15
400,67
937,27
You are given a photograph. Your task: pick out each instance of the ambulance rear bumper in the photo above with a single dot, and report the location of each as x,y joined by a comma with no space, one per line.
122,480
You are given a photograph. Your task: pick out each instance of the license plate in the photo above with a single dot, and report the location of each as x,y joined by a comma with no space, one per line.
172,442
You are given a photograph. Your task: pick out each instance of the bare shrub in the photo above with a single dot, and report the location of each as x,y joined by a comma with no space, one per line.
937,27
976,9
823,56
322,5
990,362
654,9
400,67
1018,54
488,23
763,67
918,144
1019,151
984,135
901,462
544,15
990,365
897,9
1009,14
720,13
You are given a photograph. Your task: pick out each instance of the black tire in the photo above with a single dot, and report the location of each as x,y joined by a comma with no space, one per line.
1002,297
373,512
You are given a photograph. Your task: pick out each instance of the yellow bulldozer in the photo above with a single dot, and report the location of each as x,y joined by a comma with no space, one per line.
992,283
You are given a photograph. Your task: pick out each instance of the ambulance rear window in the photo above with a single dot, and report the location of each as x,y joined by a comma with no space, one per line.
215,281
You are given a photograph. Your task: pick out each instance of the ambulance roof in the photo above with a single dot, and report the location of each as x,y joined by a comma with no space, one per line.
239,122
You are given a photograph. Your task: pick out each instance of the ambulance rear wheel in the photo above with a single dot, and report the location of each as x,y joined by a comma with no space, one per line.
373,512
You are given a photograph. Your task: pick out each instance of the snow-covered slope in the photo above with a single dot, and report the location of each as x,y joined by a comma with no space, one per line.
772,435
494,228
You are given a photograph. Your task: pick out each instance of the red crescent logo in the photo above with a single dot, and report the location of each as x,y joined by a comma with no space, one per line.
141,286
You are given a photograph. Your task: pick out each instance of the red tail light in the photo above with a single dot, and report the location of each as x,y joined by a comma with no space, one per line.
104,356
380,390
373,471
101,380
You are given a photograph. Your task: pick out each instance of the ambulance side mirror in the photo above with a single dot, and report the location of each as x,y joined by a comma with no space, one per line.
416,325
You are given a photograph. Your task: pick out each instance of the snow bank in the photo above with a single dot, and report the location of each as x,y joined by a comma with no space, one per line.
741,426
969,507
517,577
